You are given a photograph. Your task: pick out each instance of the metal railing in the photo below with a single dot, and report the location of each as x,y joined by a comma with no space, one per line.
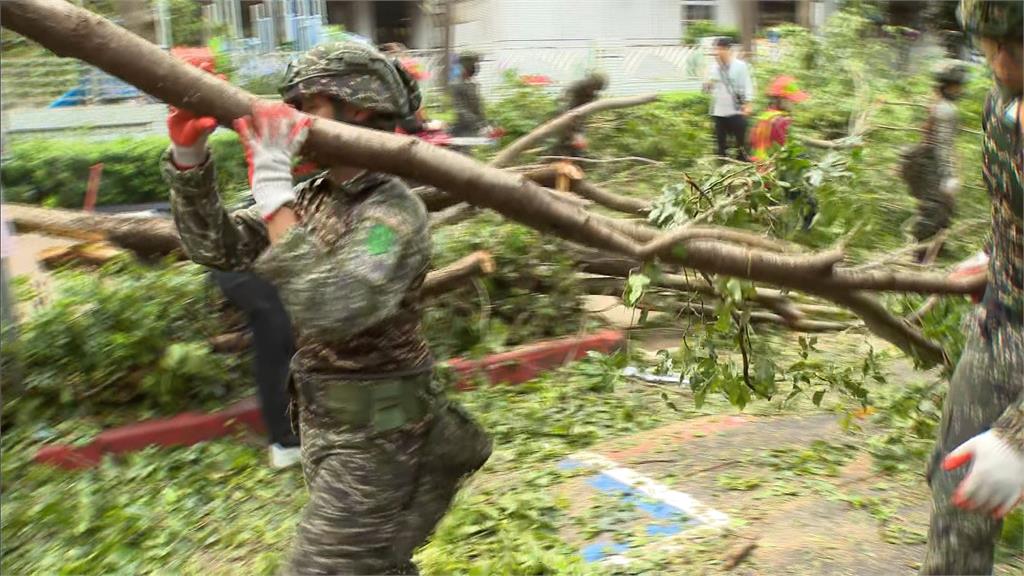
34,86
56,82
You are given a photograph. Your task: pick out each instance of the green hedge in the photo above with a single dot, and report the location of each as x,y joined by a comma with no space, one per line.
55,172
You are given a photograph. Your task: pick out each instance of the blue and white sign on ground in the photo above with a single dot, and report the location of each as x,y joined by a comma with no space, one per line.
663,511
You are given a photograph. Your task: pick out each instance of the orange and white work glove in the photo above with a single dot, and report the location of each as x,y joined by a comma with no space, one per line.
272,135
995,482
189,131
973,266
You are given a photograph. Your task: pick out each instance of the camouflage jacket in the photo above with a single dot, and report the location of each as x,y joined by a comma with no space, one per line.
943,123
349,274
1003,305
575,95
469,109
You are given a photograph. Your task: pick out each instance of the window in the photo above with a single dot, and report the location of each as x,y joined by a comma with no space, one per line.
694,10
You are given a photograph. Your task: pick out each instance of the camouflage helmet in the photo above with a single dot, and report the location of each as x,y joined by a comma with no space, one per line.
469,58
950,73
597,80
992,18
353,72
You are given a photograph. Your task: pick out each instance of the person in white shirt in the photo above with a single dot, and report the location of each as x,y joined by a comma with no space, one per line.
732,89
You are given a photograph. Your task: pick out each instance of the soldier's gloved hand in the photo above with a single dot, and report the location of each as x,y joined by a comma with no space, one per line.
995,483
973,266
189,131
272,135
950,186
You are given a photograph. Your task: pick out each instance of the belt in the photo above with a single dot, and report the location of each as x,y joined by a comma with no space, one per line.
381,404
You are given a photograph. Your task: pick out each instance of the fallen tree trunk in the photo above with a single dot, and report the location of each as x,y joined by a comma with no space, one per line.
88,253
157,236
145,235
709,313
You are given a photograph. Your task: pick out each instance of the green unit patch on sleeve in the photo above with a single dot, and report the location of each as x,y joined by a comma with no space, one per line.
380,239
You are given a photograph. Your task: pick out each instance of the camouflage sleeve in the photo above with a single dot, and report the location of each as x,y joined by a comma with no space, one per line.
1010,426
210,236
334,289
944,129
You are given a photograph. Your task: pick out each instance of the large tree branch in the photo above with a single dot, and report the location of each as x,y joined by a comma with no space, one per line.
556,125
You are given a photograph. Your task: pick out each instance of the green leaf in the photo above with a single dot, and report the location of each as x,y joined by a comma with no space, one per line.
817,396
635,287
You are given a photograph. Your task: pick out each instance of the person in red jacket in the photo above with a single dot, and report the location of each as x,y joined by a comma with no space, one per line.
773,124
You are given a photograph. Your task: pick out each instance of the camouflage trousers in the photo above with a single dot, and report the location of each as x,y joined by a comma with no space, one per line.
375,495
987,380
934,214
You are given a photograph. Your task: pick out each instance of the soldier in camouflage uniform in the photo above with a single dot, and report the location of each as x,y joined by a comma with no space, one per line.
573,141
931,173
977,471
383,450
470,119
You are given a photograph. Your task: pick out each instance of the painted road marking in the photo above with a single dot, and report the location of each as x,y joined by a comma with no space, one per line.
675,511
651,488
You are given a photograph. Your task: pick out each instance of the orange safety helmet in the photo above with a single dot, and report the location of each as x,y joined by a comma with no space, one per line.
786,87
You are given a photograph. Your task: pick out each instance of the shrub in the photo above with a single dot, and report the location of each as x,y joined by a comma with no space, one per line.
705,28
54,172
126,333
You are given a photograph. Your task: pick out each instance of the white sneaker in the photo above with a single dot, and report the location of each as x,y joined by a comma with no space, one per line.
281,457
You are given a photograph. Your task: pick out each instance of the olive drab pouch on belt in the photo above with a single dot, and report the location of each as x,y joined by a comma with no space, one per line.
380,404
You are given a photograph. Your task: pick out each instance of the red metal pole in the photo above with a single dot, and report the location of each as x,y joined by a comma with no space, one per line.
93,189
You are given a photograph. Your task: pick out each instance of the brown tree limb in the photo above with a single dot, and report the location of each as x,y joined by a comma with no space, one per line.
838,144
546,177
896,330
681,235
782,312
708,312
457,274
508,155
610,199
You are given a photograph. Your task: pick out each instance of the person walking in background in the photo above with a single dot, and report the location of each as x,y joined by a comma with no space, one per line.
772,126
273,348
470,119
929,168
771,133
731,87
573,141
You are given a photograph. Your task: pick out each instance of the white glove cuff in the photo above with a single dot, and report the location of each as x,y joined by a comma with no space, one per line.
189,156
